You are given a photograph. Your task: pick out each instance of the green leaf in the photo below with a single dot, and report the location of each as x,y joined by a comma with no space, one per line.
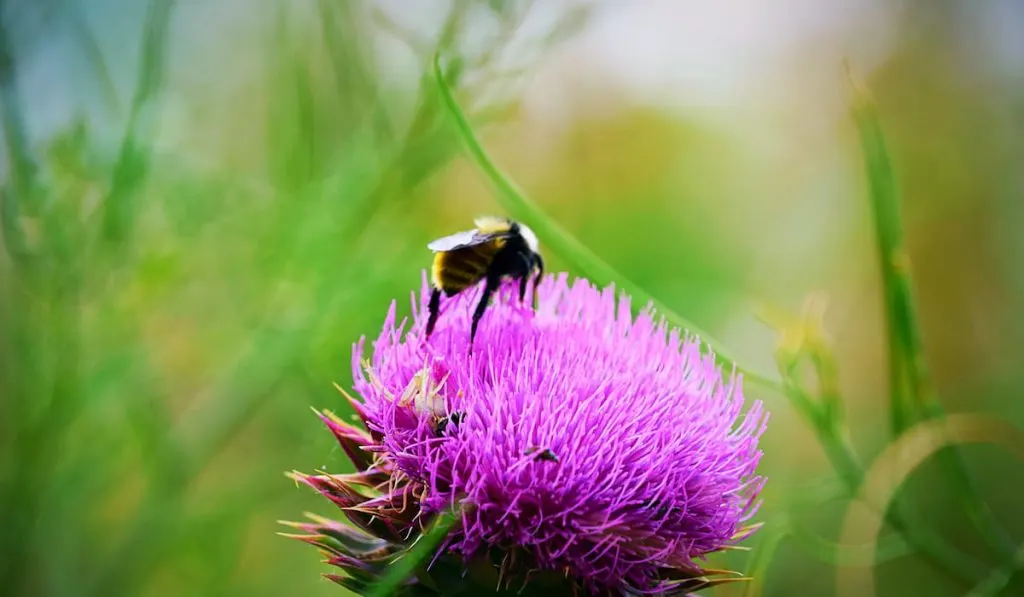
913,397
420,552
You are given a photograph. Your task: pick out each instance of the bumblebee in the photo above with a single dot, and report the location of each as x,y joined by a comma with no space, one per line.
496,250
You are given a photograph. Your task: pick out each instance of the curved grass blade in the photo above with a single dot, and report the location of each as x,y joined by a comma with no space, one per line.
862,522
889,548
519,206
828,491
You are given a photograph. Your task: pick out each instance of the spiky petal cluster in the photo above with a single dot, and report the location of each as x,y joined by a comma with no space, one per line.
573,438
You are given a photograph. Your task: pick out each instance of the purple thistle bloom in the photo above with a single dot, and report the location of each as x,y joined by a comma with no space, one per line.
577,437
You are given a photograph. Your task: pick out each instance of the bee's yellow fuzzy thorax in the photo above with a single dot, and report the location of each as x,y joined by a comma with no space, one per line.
491,224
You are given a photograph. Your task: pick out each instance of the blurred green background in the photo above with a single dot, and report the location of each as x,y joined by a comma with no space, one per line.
206,203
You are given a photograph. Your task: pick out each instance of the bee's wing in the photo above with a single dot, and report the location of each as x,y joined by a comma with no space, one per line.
459,240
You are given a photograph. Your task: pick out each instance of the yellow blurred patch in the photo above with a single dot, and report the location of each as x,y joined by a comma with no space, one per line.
491,224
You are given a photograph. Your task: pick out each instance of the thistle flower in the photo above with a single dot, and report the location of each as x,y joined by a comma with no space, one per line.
576,441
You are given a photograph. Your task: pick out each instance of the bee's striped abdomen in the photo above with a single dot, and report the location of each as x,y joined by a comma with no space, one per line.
454,271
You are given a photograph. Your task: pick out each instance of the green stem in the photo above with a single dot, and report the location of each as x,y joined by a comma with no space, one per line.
913,394
893,259
21,166
94,54
947,559
42,372
765,553
403,568
997,581
837,448
826,420
515,201
133,161
888,548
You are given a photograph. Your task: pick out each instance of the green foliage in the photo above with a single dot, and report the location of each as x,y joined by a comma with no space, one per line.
161,322
164,324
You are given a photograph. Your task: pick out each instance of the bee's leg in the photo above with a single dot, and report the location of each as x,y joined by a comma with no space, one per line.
524,277
434,308
538,262
489,288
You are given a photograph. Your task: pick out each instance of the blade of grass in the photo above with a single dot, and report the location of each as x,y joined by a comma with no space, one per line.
22,168
94,54
834,440
994,584
837,447
246,387
515,201
133,159
43,387
906,380
345,40
819,494
891,469
913,394
49,338
772,536
403,568
232,403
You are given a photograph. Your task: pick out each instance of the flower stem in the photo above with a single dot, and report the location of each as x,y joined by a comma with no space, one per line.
913,397
420,552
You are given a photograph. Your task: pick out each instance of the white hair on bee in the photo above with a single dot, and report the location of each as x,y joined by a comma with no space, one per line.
529,237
